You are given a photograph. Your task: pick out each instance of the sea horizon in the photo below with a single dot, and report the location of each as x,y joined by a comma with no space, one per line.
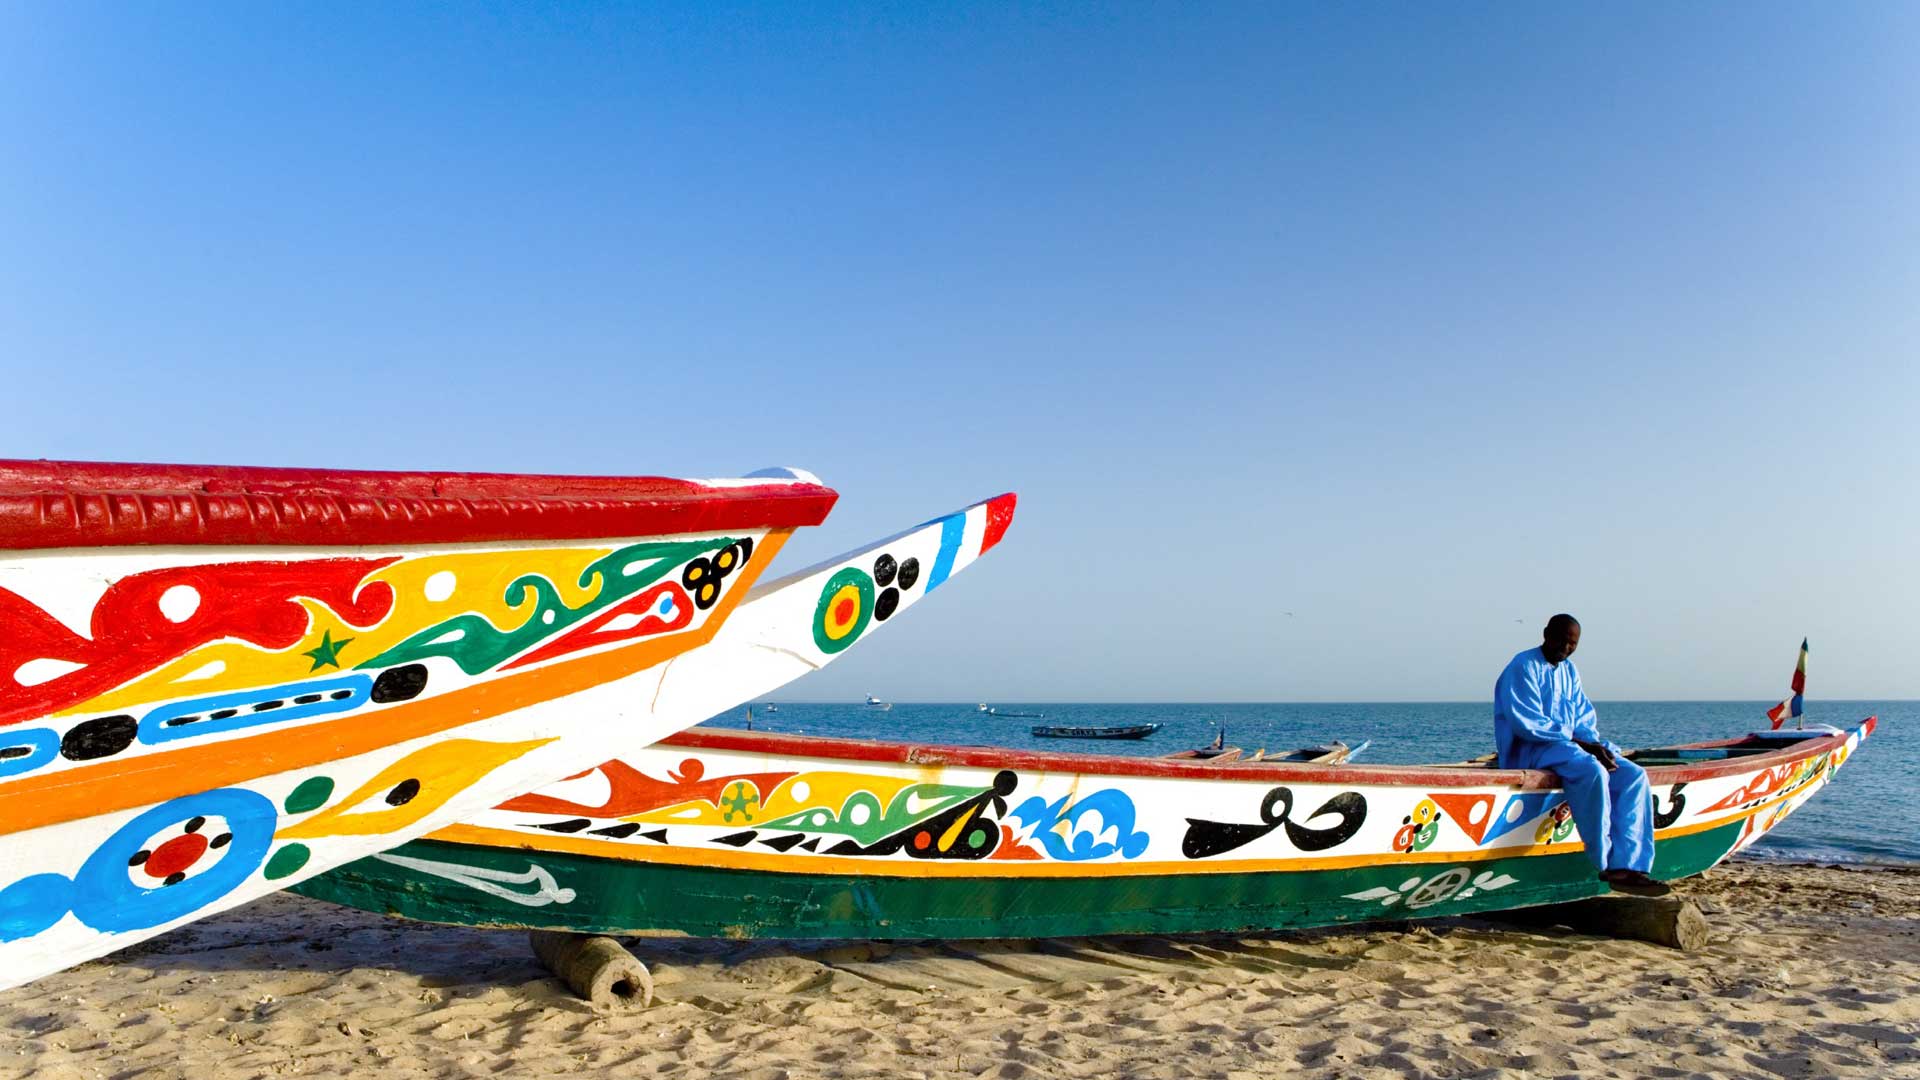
1764,703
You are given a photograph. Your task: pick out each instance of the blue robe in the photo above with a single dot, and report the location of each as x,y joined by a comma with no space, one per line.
1539,709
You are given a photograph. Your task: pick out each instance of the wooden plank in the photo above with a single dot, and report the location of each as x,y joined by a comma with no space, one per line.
1673,921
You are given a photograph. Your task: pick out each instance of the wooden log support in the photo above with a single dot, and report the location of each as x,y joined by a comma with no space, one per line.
1672,921
596,968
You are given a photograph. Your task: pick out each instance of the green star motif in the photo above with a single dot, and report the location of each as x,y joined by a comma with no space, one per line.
739,800
327,652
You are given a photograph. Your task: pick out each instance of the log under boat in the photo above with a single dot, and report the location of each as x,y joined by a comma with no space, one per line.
215,682
728,834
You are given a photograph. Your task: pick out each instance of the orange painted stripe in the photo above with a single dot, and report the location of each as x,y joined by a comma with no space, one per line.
151,778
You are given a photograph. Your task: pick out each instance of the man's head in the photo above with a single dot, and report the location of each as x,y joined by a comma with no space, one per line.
1560,638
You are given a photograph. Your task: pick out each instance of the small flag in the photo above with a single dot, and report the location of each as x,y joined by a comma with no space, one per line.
1792,706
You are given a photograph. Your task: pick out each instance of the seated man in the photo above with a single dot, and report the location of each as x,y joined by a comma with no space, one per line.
1543,720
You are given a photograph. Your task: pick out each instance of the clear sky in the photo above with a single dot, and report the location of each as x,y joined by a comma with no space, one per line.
1330,347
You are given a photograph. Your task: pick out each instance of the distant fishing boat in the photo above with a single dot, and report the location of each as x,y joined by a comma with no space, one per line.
1335,752
1216,749
1330,753
876,704
1012,715
1118,731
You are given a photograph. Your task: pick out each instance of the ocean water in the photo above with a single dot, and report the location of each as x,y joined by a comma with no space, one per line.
1867,815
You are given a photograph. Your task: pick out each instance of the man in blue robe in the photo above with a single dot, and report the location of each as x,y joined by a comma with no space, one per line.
1542,719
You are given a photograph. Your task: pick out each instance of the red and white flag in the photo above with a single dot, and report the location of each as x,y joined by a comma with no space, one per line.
1792,706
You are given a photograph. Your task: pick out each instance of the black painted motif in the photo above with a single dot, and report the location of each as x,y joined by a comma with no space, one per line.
399,684
571,825
1208,838
978,819
1664,818
102,736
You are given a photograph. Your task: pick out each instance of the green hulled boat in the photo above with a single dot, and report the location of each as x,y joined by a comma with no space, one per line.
731,834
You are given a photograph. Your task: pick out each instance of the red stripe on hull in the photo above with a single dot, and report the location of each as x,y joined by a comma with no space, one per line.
56,504
988,757
999,516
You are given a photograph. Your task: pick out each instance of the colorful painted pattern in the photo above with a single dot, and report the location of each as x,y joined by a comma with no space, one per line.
183,654
198,661
845,808
183,732
819,841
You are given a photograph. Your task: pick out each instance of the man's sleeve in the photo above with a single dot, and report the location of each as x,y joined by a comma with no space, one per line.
1586,722
1517,703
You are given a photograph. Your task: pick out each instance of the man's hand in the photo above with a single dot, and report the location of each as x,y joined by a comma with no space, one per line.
1600,751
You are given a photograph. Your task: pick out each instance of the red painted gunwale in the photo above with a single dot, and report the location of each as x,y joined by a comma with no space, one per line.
989,757
63,504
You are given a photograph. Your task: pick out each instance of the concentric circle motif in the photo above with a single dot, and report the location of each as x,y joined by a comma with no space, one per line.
1440,887
846,605
174,859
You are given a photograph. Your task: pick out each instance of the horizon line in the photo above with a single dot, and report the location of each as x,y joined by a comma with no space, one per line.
1764,702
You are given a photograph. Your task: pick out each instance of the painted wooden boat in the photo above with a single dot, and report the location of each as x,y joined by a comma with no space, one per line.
1011,714
1332,753
215,682
1114,731
721,833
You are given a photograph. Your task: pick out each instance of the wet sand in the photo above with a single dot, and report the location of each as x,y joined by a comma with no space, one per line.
1811,972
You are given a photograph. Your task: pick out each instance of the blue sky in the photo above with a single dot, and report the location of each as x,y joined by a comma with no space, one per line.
1331,348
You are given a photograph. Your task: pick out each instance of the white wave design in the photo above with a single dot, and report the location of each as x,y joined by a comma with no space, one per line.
491,882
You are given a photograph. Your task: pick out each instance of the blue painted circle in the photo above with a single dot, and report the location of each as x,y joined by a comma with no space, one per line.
105,898
42,746
32,904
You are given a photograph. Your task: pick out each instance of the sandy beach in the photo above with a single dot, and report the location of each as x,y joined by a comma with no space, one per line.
1812,971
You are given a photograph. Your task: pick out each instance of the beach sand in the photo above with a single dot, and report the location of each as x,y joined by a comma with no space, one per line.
1811,972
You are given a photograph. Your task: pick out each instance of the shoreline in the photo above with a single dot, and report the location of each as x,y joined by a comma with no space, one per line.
1748,856
1809,972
